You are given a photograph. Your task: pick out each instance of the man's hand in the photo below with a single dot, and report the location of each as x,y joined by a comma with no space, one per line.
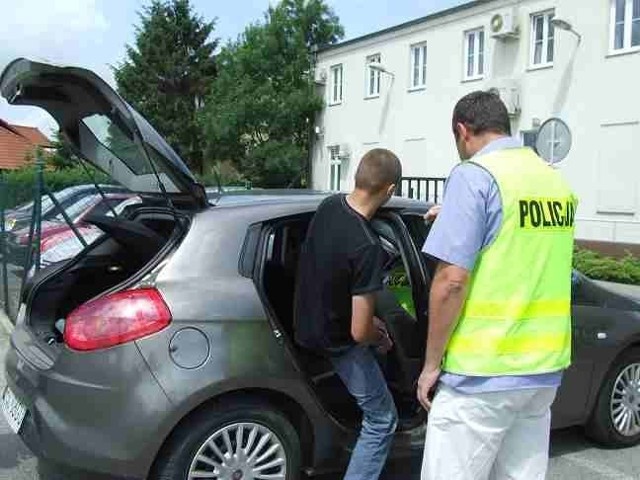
426,383
386,344
433,212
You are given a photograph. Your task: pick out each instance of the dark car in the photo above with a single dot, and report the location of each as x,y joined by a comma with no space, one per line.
164,350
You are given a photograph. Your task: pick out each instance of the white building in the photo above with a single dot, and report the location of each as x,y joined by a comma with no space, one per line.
541,71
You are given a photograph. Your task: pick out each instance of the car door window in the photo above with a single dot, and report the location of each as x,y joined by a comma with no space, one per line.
419,230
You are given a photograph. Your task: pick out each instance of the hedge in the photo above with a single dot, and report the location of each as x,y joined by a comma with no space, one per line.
600,267
19,185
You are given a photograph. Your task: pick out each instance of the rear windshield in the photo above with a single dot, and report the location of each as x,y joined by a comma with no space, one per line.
111,147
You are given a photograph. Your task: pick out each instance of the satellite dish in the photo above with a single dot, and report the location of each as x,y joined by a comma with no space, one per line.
554,140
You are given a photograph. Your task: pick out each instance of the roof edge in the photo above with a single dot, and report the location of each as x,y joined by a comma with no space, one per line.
12,128
417,21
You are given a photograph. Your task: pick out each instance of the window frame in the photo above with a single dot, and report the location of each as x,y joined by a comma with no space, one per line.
335,87
422,66
479,55
547,16
374,75
335,168
627,29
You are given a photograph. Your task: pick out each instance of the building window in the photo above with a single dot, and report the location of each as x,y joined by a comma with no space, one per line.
474,54
336,86
419,65
625,25
373,77
542,38
335,163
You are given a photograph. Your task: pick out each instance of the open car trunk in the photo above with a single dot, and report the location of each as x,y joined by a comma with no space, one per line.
129,249
105,131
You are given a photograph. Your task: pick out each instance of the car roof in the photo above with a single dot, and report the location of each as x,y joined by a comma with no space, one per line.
279,198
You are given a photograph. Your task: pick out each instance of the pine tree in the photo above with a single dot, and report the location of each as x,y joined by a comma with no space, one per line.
168,72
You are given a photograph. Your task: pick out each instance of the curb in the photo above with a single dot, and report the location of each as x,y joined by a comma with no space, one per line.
5,323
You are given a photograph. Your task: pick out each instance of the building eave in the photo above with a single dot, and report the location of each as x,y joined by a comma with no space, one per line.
406,25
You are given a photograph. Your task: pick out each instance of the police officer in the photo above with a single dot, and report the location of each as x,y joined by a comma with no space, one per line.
499,314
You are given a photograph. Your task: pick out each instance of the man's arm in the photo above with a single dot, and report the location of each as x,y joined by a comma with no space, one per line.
470,210
363,327
367,278
448,292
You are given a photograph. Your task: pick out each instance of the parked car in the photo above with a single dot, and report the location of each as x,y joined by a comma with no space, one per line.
164,350
94,204
65,244
20,217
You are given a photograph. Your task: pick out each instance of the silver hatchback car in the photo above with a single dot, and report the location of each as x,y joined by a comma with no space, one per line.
164,349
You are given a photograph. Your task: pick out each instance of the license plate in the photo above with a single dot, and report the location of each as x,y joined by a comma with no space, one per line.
14,411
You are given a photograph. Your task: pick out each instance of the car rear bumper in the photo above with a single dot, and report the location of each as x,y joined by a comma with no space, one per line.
105,419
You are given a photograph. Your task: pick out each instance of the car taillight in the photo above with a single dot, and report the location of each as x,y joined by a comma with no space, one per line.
115,319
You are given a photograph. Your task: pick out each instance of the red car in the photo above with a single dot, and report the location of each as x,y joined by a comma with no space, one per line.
90,205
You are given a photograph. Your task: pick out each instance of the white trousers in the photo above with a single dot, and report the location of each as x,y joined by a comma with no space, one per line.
497,435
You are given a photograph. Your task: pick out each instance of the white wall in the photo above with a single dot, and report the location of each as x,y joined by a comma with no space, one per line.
596,94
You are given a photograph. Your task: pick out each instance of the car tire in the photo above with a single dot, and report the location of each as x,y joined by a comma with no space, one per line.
602,427
177,459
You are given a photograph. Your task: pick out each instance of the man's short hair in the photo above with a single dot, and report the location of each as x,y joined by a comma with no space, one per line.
482,112
378,169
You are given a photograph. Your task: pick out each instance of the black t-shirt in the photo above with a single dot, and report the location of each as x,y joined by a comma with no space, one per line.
341,257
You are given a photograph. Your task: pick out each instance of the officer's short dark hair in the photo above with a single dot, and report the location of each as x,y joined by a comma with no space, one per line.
378,169
482,112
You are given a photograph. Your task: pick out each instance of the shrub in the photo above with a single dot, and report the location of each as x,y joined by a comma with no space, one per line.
18,186
599,267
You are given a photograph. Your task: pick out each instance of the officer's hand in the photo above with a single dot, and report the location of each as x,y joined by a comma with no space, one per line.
426,383
433,212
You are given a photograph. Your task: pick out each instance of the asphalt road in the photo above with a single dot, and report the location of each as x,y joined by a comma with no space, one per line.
572,457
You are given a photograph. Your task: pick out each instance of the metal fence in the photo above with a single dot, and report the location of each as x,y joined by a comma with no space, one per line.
427,189
10,272
20,234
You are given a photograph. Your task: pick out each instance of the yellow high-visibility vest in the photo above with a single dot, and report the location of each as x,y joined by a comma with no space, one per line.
517,316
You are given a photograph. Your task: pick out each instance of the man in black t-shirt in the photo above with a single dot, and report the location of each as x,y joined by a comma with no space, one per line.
341,266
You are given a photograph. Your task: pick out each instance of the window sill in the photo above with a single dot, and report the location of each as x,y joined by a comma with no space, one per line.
334,104
622,52
545,66
472,79
417,89
372,97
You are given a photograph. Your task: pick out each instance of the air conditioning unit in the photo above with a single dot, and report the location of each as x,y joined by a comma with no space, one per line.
509,91
504,24
321,76
344,151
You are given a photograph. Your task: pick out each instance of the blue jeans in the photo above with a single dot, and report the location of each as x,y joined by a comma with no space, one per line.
361,374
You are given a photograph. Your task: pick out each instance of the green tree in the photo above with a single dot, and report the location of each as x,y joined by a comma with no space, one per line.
168,72
264,101
62,156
